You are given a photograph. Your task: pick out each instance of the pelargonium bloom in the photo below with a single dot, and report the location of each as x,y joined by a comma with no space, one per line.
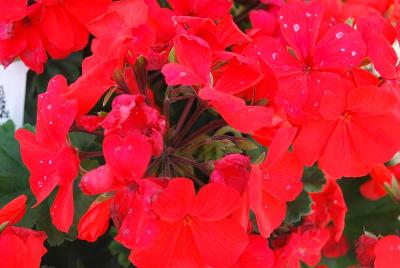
315,58
19,247
359,124
49,156
195,230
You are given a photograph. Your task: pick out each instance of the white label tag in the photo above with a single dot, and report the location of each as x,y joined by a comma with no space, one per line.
12,93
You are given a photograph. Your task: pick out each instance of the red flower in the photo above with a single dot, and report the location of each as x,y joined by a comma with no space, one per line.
335,248
358,124
213,9
94,222
275,182
13,211
19,36
19,247
379,35
123,166
233,170
256,255
194,230
329,205
69,18
387,252
131,114
305,244
48,155
194,57
374,188
12,10
235,111
132,214
364,248
304,77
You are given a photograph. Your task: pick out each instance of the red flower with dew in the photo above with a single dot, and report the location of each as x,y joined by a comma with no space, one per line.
356,123
49,156
19,247
195,230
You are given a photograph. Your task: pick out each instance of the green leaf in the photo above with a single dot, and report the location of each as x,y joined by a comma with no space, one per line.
379,217
313,179
13,174
298,208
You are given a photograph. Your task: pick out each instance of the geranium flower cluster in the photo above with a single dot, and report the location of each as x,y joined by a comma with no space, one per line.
29,29
313,82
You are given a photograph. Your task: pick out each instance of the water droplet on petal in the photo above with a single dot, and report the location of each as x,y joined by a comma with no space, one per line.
339,35
308,14
49,107
353,53
343,49
281,17
274,55
285,25
182,74
296,27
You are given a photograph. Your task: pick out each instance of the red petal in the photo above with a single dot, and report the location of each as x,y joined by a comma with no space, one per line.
122,156
89,88
194,53
160,253
237,77
176,200
13,252
282,179
215,201
235,112
13,10
87,10
341,47
300,23
178,74
94,222
383,56
14,210
257,254
233,170
318,132
220,243
228,33
96,181
280,144
387,252
62,210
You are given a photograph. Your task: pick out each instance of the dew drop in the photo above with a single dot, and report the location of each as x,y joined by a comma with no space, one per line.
274,55
285,25
343,49
296,27
308,14
281,17
339,35
353,53
182,74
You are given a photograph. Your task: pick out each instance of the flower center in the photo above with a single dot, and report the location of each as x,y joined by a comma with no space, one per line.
187,221
346,116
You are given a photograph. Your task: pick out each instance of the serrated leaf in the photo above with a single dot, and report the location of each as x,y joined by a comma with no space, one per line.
298,208
313,179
